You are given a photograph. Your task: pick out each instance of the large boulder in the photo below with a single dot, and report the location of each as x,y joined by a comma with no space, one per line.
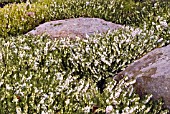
152,74
81,27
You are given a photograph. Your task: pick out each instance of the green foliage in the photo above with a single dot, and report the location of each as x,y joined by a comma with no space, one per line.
41,75
124,12
17,1
20,18
10,1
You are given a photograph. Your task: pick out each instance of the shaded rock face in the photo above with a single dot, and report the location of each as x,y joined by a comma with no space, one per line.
152,74
74,27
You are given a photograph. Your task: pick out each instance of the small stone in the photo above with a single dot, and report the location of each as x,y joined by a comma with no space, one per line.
31,14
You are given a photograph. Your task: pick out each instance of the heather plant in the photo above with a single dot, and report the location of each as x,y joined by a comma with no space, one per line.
124,12
17,1
3,3
41,75
10,1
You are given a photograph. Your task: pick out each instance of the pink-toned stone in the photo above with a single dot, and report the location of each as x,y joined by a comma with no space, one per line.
152,73
73,27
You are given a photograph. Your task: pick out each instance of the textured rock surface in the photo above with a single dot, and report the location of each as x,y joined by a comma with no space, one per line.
152,73
74,27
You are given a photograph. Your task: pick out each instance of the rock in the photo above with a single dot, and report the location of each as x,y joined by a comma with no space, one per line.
74,27
152,74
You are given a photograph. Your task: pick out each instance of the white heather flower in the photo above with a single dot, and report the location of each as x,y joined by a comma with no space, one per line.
85,40
29,78
48,43
76,57
18,110
15,99
107,101
0,56
105,53
143,34
67,101
57,93
87,3
22,19
124,36
155,5
136,32
21,93
45,96
36,63
96,62
8,87
17,92
87,48
45,50
7,44
87,36
47,63
42,101
109,109
159,17
43,112
41,90
131,82
105,61
26,48
128,40
158,27
36,90
148,99
126,109
13,45
87,109
51,94
79,88
21,55
1,83
22,40
117,94
23,85
160,40
151,32
95,41
86,87
164,23
116,38
30,85
121,6
53,48
153,23
109,88
59,76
